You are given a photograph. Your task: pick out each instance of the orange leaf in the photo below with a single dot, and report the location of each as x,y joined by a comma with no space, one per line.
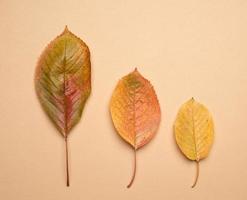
135,111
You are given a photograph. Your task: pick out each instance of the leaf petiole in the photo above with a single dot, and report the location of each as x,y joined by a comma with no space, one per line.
197,174
134,172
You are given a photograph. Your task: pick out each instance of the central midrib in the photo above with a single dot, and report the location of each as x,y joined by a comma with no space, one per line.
64,93
193,129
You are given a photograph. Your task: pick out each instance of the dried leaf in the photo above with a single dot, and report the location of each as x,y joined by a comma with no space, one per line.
135,111
63,82
194,132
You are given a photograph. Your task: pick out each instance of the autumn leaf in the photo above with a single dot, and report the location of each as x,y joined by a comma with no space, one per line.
194,132
135,112
63,82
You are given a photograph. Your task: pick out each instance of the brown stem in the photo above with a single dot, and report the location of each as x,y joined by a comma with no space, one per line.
67,161
197,174
134,172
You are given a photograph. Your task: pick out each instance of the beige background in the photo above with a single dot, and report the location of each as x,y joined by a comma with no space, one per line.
185,48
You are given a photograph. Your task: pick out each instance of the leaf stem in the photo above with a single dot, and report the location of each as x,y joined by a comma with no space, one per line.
197,174
134,172
67,161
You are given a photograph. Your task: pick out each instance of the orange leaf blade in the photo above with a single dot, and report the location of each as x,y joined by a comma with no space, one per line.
135,110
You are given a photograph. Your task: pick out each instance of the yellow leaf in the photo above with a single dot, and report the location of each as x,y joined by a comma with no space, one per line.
135,111
194,131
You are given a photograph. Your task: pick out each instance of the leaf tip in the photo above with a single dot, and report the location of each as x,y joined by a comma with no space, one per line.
136,71
66,30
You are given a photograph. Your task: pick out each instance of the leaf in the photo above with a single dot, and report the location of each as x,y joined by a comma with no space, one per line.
63,82
194,132
135,111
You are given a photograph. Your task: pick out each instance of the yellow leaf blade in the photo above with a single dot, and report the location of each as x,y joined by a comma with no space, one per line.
194,130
